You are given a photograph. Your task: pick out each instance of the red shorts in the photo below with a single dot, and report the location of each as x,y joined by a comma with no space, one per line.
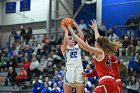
107,85
119,84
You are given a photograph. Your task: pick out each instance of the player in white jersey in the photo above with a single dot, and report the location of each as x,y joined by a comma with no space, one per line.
74,68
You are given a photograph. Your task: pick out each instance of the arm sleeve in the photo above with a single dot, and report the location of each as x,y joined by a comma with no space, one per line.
93,73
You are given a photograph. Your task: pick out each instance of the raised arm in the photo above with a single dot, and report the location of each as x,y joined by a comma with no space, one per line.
94,27
83,45
65,41
79,30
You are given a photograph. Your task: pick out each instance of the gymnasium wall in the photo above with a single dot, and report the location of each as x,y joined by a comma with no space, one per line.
39,12
117,12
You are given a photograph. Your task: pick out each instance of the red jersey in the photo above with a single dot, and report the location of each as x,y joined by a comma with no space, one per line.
103,67
26,66
115,66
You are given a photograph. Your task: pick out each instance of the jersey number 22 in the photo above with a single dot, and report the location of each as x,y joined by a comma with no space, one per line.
73,54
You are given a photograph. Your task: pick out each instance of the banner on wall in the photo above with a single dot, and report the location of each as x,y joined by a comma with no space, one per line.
25,5
10,7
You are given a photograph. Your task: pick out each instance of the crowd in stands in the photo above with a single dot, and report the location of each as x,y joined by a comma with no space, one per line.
41,61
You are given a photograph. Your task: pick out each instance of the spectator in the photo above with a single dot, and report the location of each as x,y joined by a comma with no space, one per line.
55,77
14,34
56,59
26,64
50,70
125,61
55,89
46,48
47,80
3,62
111,35
43,64
126,42
34,67
131,50
14,37
52,40
123,70
61,72
60,82
47,89
39,48
131,21
88,85
28,50
22,77
133,66
58,38
12,62
20,55
23,34
38,85
11,77
133,85
29,35
133,41
82,25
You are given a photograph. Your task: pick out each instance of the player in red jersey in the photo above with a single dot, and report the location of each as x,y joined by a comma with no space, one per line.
103,48
115,68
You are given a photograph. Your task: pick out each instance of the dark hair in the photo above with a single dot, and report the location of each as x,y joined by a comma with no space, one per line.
107,45
133,82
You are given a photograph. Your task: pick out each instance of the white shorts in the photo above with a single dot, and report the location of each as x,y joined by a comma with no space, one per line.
73,74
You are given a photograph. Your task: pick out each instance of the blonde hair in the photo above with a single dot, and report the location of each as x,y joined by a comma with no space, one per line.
108,46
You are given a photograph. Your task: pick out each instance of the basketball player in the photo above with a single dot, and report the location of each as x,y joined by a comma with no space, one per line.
74,68
103,48
114,64
115,68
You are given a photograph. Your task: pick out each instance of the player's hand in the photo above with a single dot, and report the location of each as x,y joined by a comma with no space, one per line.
84,74
64,28
93,24
70,28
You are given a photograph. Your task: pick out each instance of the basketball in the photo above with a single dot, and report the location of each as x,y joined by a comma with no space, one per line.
67,21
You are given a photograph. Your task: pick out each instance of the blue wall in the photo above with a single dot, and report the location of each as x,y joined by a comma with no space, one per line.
116,12
87,13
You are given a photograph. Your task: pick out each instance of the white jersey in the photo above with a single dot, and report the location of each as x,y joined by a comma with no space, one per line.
73,56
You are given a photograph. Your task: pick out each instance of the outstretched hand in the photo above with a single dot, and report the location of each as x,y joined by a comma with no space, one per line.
93,24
